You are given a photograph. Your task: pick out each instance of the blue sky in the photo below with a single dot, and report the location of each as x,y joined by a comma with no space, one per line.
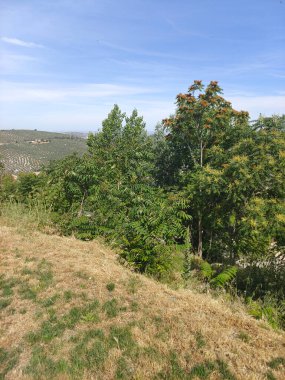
64,63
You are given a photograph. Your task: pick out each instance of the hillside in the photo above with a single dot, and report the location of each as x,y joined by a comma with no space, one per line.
69,310
26,150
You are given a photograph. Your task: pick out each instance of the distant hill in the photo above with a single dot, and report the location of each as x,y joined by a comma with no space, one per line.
26,150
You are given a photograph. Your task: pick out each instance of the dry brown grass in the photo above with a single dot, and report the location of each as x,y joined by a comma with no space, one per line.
162,321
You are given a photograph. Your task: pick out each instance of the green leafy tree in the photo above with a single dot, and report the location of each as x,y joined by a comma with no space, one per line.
27,183
8,187
203,128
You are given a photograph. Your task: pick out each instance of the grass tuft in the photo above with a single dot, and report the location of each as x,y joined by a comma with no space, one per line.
110,286
111,308
121,337
200,341
276,363
4,302
8,360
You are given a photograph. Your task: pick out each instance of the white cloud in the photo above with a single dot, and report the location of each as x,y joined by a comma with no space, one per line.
18,42
77,106
28,92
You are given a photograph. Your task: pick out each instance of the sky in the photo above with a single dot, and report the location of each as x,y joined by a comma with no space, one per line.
65,63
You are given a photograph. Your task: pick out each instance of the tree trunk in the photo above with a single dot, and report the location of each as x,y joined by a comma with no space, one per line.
200,230
200,239
80,211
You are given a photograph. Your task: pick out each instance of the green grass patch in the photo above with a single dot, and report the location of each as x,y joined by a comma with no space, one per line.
7,285
174,371
110,286
243,336
26,292
201,371
111,308
270,376
90,352
224,370
8,360
27,272
200,341
124,371
41,366
121,337
68,295
44,274
276,363
4,302
134,306
3,355
54,326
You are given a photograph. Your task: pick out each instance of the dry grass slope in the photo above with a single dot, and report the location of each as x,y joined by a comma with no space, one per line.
68,310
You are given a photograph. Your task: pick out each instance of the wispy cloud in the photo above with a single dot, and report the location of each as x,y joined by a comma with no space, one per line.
151,53
30,92
18,42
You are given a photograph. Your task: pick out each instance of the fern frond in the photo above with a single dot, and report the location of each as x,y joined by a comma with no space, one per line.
223,278
206,270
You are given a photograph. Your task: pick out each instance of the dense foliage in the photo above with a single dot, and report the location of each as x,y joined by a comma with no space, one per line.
208,183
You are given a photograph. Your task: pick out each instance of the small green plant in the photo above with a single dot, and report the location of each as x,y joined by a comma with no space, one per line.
111,308
110,286
4,303
276,363
44,274
124,371
265,309
7,291
26,292
216,279
202,371
243,336
7,285
67,295
27,271
200,340
224,370
90,317
270,376
3,355
121,337
134,306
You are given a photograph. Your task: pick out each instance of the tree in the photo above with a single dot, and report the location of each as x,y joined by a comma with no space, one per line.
203,128
1,168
